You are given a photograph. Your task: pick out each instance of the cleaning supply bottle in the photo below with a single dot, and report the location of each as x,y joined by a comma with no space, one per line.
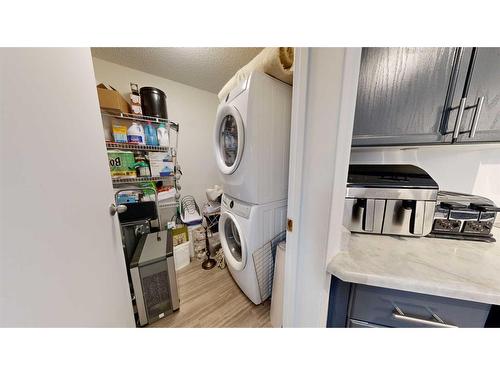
163,136
150,132
135,133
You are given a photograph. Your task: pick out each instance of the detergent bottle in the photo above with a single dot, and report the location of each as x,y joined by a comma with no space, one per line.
135,133
163,136
150,132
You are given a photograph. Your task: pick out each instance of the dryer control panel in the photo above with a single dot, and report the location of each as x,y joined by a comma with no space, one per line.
236,207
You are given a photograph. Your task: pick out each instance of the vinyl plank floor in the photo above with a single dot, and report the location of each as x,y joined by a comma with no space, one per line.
211,298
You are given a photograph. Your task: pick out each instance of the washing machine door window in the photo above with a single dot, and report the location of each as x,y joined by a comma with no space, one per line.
232,241
229,139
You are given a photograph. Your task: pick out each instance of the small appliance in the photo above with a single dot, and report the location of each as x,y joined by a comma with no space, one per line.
464,216
396,199
154,281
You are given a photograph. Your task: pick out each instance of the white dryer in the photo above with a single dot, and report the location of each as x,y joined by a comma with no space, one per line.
244,229
252,139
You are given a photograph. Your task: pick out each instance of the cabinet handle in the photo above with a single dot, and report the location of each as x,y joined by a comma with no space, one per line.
465,93
477,113
438,322
458,122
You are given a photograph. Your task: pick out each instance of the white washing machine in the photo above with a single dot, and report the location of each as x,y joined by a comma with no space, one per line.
252,139
244,229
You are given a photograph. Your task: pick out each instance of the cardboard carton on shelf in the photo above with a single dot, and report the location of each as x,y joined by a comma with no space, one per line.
161,164
135,99
111,100
121,164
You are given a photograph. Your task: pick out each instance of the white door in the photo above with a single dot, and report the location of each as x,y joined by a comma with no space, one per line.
61,260
229,138
232,241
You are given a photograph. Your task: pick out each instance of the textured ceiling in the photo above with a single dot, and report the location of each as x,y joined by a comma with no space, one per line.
205,68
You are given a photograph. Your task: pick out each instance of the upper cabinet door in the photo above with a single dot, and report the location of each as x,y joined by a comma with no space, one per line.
481,123
402,93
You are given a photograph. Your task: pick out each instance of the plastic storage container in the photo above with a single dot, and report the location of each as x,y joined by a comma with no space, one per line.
153,102
191,232
181,255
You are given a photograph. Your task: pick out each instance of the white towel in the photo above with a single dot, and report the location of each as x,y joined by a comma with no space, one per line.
275,61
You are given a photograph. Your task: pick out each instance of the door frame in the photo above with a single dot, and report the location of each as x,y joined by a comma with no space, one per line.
312,109
295,173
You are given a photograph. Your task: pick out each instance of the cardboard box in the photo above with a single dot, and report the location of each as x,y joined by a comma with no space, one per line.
120,133
136,109
121,163
180,235
111,100
160,164
135,99
136,104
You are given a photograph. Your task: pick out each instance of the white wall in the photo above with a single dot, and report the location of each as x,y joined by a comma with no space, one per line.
193,108
325,86
466,169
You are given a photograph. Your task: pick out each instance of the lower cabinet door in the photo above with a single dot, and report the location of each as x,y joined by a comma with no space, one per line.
395,308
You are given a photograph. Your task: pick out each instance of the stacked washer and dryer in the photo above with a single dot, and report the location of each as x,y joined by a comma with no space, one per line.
252,145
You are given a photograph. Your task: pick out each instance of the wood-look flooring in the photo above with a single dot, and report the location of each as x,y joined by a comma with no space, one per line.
212,299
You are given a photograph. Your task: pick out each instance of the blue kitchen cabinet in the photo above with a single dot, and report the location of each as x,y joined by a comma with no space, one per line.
402,94
419,96
357,305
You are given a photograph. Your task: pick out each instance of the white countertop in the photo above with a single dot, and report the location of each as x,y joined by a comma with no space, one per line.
467,270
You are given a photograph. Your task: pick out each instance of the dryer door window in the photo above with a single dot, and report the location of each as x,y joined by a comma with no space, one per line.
232,241
229,140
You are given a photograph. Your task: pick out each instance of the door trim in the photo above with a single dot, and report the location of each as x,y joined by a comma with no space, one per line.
306,289
296,166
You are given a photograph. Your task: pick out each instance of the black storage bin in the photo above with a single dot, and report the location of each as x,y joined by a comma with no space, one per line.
153,102
138,211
